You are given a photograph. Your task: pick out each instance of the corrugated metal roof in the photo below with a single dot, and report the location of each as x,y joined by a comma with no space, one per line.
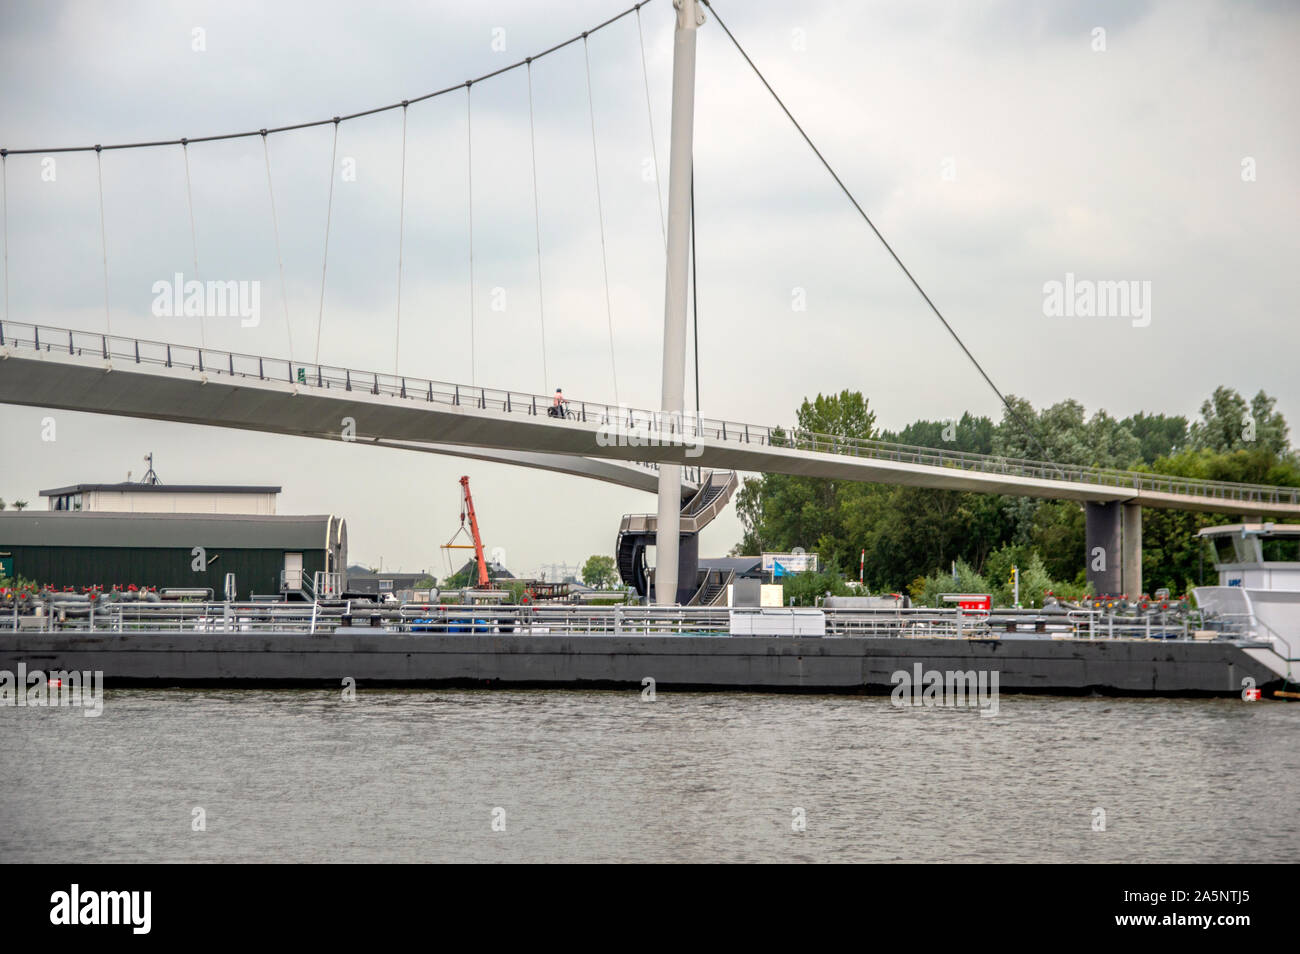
163,489
79,529
742,566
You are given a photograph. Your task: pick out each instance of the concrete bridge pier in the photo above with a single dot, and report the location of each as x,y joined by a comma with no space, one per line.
1113,545
688,567
688,570
1131,570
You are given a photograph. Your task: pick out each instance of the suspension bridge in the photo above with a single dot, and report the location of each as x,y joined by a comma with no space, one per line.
688,459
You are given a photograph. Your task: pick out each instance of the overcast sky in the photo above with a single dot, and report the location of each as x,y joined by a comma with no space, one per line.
998,145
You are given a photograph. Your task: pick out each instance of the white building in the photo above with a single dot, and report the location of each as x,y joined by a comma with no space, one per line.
164,498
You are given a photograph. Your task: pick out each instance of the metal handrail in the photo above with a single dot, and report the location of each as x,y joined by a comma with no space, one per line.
682,427
531,619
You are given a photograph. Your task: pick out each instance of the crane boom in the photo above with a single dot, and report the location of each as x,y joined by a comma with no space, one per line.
484,581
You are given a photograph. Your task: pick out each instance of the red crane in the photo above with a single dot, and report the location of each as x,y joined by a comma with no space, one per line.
484,581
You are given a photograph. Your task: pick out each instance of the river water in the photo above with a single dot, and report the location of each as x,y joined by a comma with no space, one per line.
549,775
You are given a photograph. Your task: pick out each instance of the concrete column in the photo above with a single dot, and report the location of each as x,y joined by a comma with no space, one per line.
1103,534
688,566
689,17
1131,567
688,571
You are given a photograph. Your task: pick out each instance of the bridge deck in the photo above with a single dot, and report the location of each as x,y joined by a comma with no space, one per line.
83,371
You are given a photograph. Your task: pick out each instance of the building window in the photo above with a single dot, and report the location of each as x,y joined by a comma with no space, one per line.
385,586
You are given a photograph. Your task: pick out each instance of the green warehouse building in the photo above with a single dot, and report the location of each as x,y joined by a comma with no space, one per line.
152,535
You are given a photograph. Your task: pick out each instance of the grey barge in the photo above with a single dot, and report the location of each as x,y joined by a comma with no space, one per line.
839,651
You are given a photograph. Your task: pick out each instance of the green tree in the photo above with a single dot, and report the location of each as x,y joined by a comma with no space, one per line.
969,434
845,415
1271,431
781,511
1034,580
1111,442
1067,436
908,533
1223,417
1172,555
1158,435
1229,423
1055,434
1056,532
928,590
1256,465
20,504
599,571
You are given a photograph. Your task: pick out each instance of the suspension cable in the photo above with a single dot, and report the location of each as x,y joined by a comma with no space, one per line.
894,255
401,237
537,227
337,119
194,241
4,184
600,214
325,259
469,192
279,258
103,239
654,152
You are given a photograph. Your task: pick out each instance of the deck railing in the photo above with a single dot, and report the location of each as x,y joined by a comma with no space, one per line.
260,618
686,428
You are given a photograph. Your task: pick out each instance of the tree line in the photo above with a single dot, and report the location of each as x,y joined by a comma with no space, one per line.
913,539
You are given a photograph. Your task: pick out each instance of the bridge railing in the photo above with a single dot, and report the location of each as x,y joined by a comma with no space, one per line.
578,620
1074,473
118,348
653,425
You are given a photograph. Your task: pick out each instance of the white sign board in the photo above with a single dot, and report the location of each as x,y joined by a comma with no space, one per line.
784,564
